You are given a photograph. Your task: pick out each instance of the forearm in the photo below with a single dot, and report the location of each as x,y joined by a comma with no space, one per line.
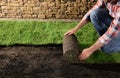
96,46
81,24
88,51
85,20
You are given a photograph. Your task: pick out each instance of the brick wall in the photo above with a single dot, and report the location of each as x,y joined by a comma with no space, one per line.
44,9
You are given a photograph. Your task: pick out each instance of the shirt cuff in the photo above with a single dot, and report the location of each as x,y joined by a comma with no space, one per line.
104,39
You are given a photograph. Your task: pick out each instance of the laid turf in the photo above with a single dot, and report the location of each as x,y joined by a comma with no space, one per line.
40,33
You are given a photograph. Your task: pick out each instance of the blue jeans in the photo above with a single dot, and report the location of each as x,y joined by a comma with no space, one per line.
101,21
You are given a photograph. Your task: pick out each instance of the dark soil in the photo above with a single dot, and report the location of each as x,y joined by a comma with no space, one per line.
48,62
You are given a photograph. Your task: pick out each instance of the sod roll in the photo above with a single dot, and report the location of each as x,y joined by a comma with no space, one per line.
71,48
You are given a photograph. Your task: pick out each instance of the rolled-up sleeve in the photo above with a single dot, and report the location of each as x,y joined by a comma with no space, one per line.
112,32
97,5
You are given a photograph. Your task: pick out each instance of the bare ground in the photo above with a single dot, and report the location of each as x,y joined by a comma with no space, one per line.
48,62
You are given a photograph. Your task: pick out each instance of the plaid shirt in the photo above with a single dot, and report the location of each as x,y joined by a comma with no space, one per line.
114,11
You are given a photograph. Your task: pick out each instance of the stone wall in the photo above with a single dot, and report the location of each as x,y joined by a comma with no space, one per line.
44,9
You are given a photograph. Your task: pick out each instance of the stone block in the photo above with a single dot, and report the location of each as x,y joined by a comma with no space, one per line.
27,16
3,2
27,10
8,9
41,16
11,15
31,3
19,17
52,4
15,3
59,16
2,15
34,16
36,9
58,1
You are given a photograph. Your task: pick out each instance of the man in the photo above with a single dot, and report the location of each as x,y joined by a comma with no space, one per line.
105,16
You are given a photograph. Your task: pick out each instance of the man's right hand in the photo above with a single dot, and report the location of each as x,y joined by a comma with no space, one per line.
72,31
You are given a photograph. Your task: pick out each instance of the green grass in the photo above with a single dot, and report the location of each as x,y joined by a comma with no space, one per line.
41,33
32,32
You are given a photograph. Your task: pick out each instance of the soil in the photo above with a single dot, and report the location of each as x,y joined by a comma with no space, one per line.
48,62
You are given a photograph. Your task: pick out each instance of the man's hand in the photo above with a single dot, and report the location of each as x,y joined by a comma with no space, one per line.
86,53
72,31
89,51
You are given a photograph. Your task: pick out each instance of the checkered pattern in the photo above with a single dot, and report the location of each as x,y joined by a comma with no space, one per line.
114,11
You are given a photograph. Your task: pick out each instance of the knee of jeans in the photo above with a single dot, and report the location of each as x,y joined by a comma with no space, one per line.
106,50
94,14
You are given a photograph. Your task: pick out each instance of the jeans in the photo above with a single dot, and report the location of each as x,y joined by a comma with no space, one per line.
101,20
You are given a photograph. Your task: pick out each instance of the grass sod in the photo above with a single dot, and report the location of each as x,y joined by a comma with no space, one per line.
38,33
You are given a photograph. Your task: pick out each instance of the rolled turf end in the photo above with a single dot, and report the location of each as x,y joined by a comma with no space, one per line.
71,48
71,57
